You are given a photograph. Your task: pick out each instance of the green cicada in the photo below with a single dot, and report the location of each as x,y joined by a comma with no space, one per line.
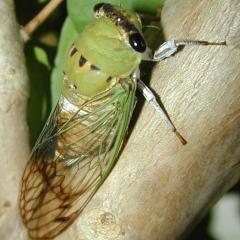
82,138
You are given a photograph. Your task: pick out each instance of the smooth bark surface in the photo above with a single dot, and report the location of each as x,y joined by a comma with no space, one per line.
159,187
14,149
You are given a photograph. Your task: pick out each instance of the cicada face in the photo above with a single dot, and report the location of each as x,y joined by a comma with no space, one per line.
80,143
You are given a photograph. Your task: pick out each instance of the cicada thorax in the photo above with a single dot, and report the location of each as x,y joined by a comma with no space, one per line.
107,51
82,78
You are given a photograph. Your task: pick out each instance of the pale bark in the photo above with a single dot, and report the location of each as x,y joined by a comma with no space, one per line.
14,149
159,187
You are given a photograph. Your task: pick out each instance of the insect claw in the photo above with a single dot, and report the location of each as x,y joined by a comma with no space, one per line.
180,137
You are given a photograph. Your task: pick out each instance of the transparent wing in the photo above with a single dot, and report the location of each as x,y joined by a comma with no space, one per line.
72,157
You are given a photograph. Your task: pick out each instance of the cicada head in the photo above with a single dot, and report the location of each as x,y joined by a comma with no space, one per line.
128,21
114,41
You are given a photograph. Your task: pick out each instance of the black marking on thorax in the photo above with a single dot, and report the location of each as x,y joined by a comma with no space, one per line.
94,68
82,61
73,51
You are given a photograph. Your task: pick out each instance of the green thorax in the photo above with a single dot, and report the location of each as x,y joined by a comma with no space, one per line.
108,58
103,44
81,79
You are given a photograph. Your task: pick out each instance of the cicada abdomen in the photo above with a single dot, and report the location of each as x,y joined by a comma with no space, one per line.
82,138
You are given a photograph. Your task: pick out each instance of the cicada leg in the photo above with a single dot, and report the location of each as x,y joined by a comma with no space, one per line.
151,99
170,47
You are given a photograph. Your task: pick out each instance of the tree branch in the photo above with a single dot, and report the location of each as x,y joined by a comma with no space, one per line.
159,188
14,149
30,27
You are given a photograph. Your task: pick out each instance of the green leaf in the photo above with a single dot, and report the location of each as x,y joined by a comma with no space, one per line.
41,56
67,37
81,11
39,101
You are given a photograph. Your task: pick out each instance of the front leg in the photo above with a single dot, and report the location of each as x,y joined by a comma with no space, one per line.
170,47
151,99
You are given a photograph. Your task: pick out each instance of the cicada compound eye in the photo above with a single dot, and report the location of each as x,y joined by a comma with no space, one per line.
137,42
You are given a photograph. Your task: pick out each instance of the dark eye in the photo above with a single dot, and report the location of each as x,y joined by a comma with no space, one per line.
97,7
137,42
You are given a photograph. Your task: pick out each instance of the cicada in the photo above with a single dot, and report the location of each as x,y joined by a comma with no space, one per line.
83,136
